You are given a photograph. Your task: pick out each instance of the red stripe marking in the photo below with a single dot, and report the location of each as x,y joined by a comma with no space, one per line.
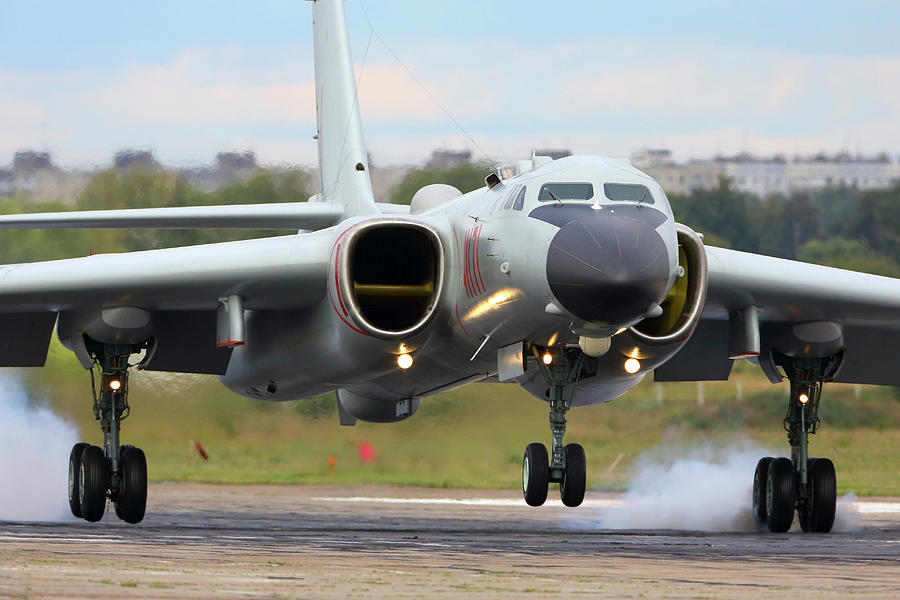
334,250
346,322
458,320
458,292
478,259
466,266
473,257
474,283
229,344
337,284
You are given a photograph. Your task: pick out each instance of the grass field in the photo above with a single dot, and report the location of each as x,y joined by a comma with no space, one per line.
473,437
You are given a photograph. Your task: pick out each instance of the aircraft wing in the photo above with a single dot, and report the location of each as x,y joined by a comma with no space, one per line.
786,292
281,215
180,286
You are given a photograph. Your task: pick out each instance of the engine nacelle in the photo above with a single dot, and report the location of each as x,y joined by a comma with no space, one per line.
684,304
377,410
390,276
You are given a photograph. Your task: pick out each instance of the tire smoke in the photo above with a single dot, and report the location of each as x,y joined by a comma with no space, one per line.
34,454
701,489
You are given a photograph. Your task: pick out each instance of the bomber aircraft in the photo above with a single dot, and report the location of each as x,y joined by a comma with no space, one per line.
570,277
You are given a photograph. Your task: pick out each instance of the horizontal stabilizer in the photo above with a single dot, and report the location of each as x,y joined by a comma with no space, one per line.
279,215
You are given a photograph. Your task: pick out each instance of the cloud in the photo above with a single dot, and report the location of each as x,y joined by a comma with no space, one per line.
596,95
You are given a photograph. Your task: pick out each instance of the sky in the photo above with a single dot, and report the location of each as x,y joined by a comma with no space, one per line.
188,79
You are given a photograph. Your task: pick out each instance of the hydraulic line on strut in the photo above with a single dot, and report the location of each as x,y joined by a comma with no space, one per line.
111,408
802,418
561,375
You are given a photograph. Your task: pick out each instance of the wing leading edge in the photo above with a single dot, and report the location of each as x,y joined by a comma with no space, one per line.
285,215
787,293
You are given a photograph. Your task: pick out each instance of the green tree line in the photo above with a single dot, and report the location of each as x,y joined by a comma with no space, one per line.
140,188
840,226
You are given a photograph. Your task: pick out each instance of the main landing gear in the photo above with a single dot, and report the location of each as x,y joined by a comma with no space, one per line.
782,485
566,464
116,472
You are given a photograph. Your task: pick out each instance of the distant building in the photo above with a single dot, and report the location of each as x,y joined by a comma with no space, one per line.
236,161
130,158
765,176
447,159
30,161
651,157
7,183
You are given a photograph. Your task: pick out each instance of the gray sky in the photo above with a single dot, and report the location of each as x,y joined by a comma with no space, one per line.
189,79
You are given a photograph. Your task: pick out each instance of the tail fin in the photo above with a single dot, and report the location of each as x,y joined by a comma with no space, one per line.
343,163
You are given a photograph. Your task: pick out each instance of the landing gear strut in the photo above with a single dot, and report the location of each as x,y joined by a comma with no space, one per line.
566,463
806,485
115,471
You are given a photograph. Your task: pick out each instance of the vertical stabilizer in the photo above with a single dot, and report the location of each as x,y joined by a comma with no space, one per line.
343,164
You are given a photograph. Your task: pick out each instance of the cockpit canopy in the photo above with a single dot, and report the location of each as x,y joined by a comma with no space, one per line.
615,192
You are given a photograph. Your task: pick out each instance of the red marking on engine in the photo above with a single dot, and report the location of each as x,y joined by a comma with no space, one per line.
337,283
335,249
230,343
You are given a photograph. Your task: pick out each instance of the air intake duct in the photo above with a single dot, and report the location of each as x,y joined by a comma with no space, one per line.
685,301
391,275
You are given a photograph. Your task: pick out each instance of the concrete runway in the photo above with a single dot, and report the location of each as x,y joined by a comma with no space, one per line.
201,541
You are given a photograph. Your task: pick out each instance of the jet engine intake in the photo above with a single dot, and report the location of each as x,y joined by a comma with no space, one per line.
391,274
683,305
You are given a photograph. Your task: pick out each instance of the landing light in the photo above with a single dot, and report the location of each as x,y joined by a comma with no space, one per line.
115,385
547,358
632,366
803,398
404,361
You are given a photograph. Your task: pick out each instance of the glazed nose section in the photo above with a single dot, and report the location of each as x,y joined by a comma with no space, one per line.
608,269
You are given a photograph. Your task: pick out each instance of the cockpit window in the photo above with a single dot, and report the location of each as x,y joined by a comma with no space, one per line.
502,200
520,199
511,198
628,192
551,192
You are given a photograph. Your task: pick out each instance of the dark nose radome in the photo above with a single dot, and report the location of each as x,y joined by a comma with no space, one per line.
608,269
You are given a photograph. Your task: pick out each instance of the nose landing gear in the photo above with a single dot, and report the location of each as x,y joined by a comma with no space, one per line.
808,486
566,464
116,472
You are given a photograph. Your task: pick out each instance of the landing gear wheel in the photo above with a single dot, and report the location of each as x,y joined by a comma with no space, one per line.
93,482
571,488
759,489
131,500
74,476
780,495
817,515
535,474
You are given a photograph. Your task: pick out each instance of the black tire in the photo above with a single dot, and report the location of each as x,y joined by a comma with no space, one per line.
93,483
760,477
818,513
780,495
571,488
535,474
131,501
74,476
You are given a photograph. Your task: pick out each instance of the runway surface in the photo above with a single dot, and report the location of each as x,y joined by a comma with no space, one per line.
202,541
